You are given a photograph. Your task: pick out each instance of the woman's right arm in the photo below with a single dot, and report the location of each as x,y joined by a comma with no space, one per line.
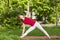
23,28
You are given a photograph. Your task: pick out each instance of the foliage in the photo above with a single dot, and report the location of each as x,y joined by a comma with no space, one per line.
45,8
9,10
9,14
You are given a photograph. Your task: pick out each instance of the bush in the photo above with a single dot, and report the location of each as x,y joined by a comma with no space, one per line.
11,22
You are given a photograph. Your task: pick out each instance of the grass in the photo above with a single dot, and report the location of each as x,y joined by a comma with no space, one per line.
13,34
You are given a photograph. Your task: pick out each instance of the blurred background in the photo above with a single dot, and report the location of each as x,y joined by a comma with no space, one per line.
44,11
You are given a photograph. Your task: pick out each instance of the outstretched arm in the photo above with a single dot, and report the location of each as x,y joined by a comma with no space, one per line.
23,28
27,14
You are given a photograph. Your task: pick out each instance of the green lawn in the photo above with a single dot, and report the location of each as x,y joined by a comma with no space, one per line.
13,34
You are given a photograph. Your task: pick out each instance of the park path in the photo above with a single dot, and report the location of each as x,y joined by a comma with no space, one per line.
49,25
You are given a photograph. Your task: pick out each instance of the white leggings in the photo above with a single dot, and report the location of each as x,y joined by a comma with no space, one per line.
33,27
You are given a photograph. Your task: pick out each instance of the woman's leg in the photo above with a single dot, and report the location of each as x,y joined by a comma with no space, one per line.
29,30
40,27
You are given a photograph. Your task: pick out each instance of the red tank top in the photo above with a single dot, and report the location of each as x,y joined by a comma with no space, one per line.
29,21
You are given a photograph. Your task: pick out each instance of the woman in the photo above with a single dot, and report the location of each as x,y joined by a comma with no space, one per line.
33,24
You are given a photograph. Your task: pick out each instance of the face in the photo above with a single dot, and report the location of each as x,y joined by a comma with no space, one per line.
21,16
